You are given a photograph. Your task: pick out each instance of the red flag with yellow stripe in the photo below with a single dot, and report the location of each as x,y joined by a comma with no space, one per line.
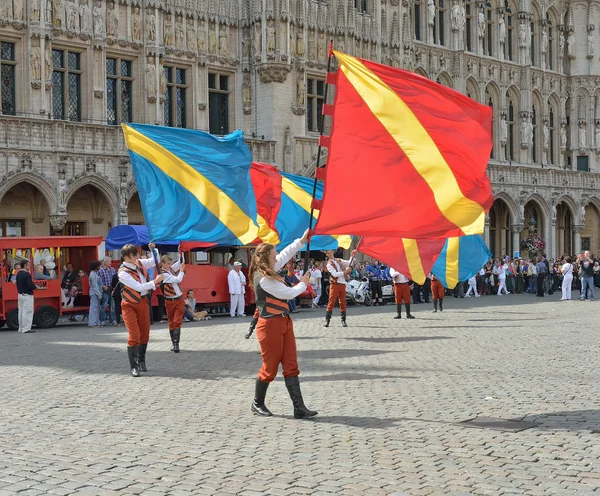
407,156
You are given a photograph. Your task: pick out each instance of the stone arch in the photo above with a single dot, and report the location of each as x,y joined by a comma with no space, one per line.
536,206
535,26
501,219
444,79
99,183
590,234
571,203
564,214
511,205
41,184
421,72
473,89
92,205
134,209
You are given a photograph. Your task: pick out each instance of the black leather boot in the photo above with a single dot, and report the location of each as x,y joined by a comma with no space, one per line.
176,336
435,306
344,320
142,357
441,305
399,310
172,333
327,319
252,327
258,405
134,360
300,410
408,314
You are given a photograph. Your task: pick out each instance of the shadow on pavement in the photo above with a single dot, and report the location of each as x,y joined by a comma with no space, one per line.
363,422
576,420
407,339
349,376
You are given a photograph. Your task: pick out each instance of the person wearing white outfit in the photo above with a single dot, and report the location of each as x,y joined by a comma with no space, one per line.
315,281
567,271
472,287
237,290
501,270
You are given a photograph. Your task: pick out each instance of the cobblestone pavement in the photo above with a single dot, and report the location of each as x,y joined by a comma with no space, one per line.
389,395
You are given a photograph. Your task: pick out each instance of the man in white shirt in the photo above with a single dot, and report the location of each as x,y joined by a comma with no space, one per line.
401,292
501,270
315,281
338,270
237,289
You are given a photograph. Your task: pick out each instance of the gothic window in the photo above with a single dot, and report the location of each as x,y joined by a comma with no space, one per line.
66,85
489,27
7,78
534,154
315,97
509,43
552,129
550,50
469,25
11,227
512,141
119,82
361,5
218,103
175,106
439,23
417,19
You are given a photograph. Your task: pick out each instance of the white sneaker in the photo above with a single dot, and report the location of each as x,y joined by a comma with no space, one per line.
467,296
477,295
508,292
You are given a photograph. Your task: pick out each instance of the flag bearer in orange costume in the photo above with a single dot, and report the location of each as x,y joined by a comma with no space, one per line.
338,269
437,293
173,275
401,292
275,331
133,275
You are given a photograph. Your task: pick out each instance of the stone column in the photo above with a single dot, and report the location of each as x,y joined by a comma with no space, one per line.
577,231
516,237
486,231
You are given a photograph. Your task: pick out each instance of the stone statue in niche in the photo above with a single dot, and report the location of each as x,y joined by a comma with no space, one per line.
524,131
179,36
546,132
151,78
561,45
481,23
522,34
258,40
85,18
501,29
212,40
300,91
202,36
48,60
563,136
36,61
321,50
35,10
312,48
271,38
112,20
590,44
544,41
98,19
223,41
582,137
191,34
571,40
150,25
71,15
18,10
62,193
163,82
597,136
430,12
292,41
58,13
168,31
503,129
246,92
530,133
300,44
136,25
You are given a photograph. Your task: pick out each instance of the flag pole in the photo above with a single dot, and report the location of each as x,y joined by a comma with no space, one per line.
319,150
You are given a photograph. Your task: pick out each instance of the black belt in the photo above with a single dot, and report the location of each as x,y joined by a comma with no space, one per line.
26,294
174,299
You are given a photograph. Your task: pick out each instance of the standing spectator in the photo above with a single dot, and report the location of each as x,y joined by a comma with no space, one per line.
542,272
597,274
106,274
291,280
25,287
315,281
237,288
587,276
532,274
374,272
567,272
96,292
117,299
426,288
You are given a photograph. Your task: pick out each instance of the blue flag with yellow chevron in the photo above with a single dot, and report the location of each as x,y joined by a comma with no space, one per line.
460,259
193,186
294,214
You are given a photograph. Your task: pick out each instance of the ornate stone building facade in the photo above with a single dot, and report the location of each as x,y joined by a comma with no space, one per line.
72,70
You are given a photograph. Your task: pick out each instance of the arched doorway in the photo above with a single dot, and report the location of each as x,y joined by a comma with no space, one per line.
564,230
590,235
88,213
535,221
24,212
500,239
134,211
